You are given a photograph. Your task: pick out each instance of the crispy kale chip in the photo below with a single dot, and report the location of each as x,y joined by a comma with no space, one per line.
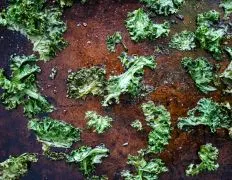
208,113
54,133
144,169
201,71
43,26
98,178
98,122
227,6
15,167
159,119
226,78
183,41
164,7
137,125
87,157
229,51
141,27
210,37
130,81
21,87
208,155
113,40
86,81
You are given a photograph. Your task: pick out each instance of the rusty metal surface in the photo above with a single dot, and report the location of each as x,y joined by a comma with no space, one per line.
175,90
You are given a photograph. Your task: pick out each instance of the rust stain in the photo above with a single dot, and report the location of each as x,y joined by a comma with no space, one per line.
175,90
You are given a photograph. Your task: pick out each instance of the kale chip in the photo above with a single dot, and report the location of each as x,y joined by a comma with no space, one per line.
159,119
227,6
113,40
201,71
141,27
86,81
208,113
164,7
226,78
21,88
144,169
137,125
183,41
208,155
54,133
98,122
229,52
209,36
43,26
130,81
87,157
15,167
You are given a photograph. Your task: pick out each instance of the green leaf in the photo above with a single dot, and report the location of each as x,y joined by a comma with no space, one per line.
164,7
86,81
141,27
149,170
226,78
43,26
201,71
208,155
99,123
130,81
87,157
54,133
229,52
21,88
15,167
137,125
159,119
209,37
183,41
113,40
227,6
208,113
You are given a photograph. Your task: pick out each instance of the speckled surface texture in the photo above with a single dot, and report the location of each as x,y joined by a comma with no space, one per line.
87,47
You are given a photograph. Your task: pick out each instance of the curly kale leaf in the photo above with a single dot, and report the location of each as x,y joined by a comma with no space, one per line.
226,78
201,71
227,6
86,81
21,88
208,155
141,27
15,167
87,157
164,7
113,40
137,125
209,37
144,169
159,120
208,113
43,26
183,41
98,122
229,51
54,133
130,81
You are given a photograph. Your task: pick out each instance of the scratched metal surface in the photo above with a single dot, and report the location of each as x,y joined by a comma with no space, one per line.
175,90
